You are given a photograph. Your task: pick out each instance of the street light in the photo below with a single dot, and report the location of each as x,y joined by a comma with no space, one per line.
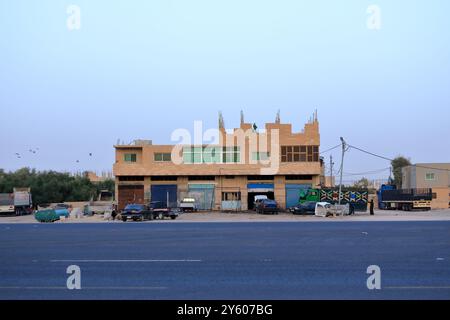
344,145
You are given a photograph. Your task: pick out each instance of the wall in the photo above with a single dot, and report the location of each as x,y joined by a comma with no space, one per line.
442,200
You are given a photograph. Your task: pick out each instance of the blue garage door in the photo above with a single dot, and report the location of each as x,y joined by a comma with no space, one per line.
293,193
164,192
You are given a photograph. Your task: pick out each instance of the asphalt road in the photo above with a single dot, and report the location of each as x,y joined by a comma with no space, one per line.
277,261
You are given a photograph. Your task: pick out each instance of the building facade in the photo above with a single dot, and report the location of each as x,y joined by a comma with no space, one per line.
430,175
225,175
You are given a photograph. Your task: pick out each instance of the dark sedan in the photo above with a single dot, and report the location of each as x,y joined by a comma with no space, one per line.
267,206
137,212
308,207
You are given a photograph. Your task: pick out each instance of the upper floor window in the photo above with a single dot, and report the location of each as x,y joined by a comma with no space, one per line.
197,155
430,177
260,156
300,154
131,178
163,157
130,157
231,155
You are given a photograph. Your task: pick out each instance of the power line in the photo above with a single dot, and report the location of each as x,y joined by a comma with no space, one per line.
389,159
328,150
368,172
370,153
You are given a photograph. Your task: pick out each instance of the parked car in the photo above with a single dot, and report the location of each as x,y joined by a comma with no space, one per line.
141,212
161,211
62,210
267,206
136,212
308,207
258,199
188,204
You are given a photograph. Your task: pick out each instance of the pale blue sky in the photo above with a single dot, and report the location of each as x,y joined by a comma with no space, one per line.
140,69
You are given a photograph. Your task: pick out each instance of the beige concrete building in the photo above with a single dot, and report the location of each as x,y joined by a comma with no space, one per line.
225,175
430,175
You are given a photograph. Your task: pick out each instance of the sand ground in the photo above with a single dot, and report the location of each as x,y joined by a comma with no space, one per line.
435,215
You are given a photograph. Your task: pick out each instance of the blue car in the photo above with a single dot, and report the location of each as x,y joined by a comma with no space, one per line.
62,210
267,206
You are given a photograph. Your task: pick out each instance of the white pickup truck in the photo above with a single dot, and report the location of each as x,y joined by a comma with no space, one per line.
188,204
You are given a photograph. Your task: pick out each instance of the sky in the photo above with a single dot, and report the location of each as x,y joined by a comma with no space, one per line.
142,69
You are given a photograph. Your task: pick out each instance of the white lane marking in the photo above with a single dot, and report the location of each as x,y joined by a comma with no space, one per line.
122,261
84,288
419,288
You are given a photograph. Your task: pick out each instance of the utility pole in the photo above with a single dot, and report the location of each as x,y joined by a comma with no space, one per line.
331,169
344,146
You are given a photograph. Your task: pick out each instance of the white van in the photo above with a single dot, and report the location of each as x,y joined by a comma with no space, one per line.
258,199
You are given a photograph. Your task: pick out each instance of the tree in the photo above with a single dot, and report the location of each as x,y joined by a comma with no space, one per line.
50,186
397,165
363,183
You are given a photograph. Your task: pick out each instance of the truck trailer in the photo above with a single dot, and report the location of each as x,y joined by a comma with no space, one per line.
391,198
23,203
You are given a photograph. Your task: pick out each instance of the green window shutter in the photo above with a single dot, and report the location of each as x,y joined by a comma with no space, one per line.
158,157
130,157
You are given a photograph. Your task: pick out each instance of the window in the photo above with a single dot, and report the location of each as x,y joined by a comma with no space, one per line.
131,178
192,155
430,177
300,154
260,178
201,178
212,155
434,195
231,155
199,155
164,178
231,196
303,154
260,156
130,157
299,177
163,157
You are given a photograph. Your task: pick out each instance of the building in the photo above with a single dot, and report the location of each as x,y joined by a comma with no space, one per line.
329,182
430,175
226,175
95,178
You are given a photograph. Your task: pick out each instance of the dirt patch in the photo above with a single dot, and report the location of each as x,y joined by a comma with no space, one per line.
435,215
